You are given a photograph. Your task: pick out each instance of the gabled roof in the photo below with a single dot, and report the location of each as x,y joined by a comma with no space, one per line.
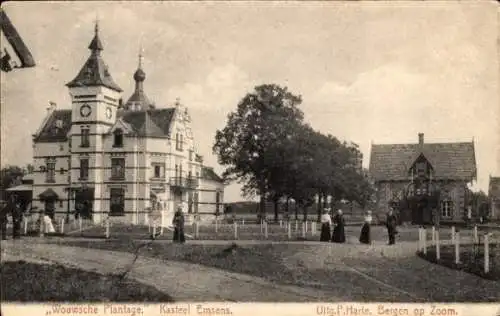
208,173
56,127
48,194
146,123
152,122
494,188
94,72
454,161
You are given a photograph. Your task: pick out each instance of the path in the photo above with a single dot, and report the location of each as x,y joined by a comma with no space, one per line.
182,281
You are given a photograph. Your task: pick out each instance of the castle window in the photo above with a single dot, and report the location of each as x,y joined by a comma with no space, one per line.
178,141
85,137
159,171
51,172
117,202
84,169
118,138
447,208
118,168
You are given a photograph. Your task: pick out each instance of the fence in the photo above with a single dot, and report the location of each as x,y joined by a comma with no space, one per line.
469,249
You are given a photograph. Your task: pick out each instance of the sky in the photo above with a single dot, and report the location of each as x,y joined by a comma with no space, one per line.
368,72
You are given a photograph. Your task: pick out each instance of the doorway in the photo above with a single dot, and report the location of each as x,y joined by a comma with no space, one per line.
50,208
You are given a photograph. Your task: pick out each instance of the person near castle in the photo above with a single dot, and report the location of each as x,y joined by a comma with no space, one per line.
326,223
178,223
365,236
338,235
391,223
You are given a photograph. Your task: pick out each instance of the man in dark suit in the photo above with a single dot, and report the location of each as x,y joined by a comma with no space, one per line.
4,212
391,224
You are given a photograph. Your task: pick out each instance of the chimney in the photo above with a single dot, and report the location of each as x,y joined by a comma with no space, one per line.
421,139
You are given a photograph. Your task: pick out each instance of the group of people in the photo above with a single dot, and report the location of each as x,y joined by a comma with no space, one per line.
12,207
338,223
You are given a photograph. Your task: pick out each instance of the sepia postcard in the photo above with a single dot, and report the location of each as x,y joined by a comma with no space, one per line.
328,158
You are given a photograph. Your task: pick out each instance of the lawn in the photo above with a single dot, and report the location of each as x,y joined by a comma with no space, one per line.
322,266
288,264
29,282
471,257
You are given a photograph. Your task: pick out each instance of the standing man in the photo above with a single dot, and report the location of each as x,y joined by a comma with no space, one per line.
17,215
4,212
469,215
391,224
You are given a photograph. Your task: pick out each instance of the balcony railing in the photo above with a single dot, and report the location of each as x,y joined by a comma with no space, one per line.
183,182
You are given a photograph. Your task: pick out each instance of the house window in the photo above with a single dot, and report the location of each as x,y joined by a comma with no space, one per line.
421,168
118,168
117,202
84,169
217,201
51,172
85,138
446,208
118,138
159,171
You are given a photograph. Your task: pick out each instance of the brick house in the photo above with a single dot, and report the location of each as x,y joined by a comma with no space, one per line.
494,197
425,182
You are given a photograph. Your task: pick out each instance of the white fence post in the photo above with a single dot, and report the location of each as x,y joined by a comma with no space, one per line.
107,229
486,253
433,235
289,228
80,222
243,222
313,228
424,235
453,233
281,223
307,225
304,229
438,249
296,225
457,247
216,225
420,239
235,230
265,230
61,227
476,238
25,225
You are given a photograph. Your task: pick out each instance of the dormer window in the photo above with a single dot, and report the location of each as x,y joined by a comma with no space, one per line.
118,138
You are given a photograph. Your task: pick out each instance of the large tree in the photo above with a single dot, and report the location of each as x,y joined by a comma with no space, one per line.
255,134
11,176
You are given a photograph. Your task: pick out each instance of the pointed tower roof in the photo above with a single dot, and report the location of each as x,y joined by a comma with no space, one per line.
94,72
138,100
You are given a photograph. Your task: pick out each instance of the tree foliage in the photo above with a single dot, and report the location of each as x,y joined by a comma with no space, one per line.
267,147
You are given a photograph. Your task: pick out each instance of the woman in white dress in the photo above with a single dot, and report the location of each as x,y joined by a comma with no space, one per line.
326,223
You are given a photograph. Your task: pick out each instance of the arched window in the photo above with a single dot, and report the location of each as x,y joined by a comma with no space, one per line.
118,138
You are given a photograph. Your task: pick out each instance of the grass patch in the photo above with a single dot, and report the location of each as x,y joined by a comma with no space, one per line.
287,264
471,257
29,282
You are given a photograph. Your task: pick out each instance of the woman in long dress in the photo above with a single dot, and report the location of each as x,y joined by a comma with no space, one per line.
326,223
178,223
338,235
365,237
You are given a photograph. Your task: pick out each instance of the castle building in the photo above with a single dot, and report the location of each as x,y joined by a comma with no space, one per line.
104,157
424,181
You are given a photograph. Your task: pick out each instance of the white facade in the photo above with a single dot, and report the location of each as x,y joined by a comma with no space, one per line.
114,161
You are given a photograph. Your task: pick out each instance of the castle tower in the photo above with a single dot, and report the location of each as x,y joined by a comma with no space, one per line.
95,100
138,100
